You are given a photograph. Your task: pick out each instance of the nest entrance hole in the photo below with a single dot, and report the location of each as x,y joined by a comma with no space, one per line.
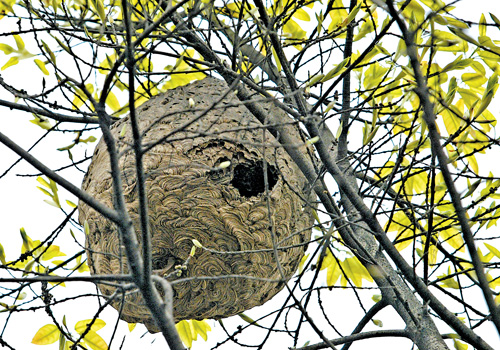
248,178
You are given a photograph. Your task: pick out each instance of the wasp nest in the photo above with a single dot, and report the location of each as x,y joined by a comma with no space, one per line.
191,196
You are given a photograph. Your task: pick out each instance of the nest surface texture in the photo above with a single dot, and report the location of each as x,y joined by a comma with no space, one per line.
191,197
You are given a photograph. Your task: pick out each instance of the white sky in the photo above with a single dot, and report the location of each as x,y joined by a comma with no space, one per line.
21,206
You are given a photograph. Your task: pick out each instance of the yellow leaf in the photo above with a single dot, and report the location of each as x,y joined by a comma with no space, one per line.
431,254
81,326
482,25
185,332
448,282
62,284
95,341
352,14
301,264
452,237
292,30
493,250
112,101
338,15
202,328
473,163
386,169
474,79
333,269
374,75
48,334
449,42
41,65
131,326
11,62
7,49
355,271
459,345
414,9
302,15
461,34
52,252
493,282
19,42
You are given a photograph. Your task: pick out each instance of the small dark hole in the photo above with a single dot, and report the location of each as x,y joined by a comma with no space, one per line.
159,261
249,178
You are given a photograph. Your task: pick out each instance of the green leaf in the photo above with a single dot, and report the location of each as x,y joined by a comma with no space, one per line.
48,334
88,139
471,187
457,64
27,242
495,19
247,319
336,70
86,228
460,33
62,342
488,94
49,51
315,79
319,20
98,6
2,255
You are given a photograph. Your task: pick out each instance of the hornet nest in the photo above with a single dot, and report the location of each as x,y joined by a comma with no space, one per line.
191,197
